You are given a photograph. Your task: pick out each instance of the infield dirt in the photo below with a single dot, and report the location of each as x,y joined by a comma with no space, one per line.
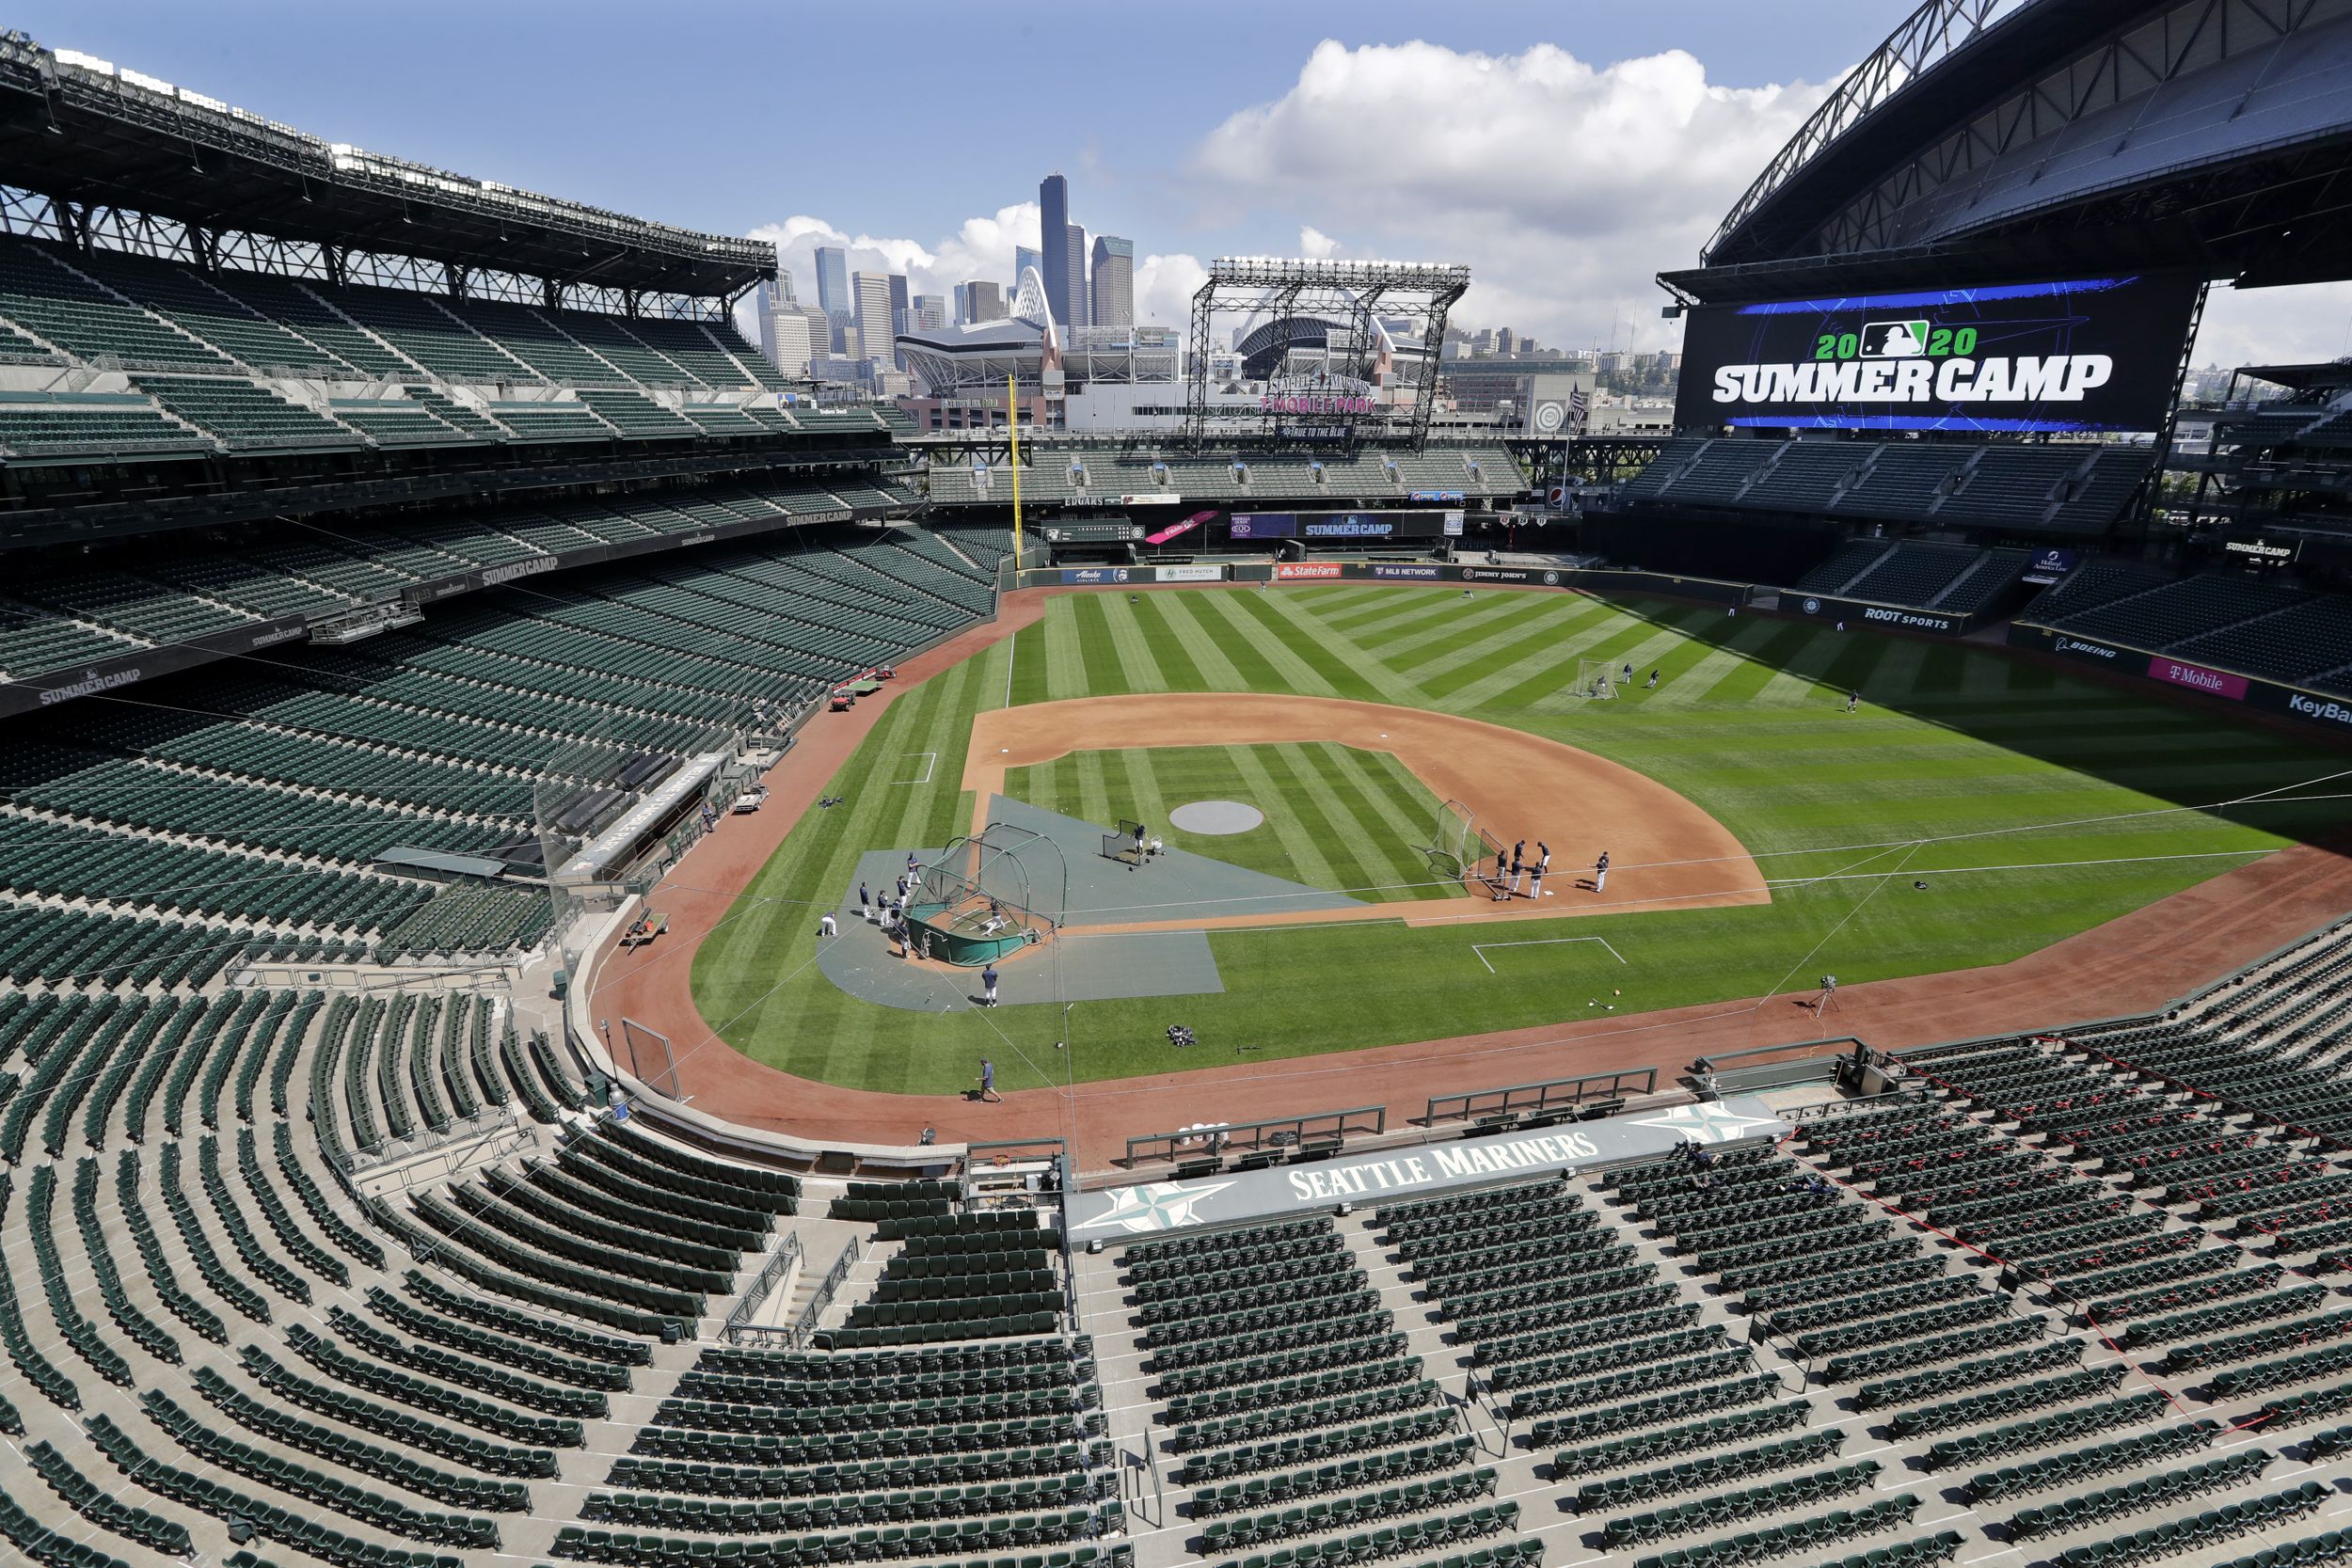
1671,854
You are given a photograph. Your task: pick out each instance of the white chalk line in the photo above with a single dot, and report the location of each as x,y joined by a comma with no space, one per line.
930,764
1480,947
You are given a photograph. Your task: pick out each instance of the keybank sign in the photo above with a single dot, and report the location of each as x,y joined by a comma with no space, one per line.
2320,709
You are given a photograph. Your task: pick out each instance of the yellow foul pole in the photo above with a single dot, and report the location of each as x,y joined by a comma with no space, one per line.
1013,418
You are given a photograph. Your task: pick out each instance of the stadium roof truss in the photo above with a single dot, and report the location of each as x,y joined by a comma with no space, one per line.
1359,293
1925,38
90,139
2046,135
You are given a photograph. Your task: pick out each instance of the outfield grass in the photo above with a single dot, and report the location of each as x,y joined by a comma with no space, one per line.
1336,818
2035,806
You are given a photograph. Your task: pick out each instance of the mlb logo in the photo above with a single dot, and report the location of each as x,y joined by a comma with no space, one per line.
1903,340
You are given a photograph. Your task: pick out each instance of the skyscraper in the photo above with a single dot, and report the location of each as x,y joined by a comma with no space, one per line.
1053,205
899,322
1113,283
976,301
876,335
832,280
927,313
1023,260
1075,237
833,295
782,323
763,311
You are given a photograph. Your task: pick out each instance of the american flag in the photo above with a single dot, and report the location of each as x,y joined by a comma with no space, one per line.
1577,408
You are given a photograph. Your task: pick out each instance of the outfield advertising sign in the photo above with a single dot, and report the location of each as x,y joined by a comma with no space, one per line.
1188,574
2076,355
1892,616
1410,573
1292,571
1264,525
2213,683
1156,1208
1097,576
2263,696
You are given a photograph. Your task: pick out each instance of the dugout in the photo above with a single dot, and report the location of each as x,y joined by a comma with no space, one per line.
989,895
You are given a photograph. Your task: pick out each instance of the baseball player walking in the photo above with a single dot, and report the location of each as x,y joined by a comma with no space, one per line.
1600,873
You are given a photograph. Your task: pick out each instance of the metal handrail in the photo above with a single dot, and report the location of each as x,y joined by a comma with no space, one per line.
1546,1096
806,1325
738,1324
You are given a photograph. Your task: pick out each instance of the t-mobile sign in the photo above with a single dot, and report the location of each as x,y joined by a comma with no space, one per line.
2214,683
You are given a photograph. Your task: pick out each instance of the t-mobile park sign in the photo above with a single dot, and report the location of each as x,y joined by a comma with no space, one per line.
1155,1206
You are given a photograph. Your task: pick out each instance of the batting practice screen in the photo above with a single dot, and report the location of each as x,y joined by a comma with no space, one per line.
2086,354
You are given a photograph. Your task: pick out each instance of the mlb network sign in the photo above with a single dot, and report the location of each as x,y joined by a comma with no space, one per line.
2087,354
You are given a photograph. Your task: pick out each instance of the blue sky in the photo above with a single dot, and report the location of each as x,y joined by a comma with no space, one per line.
1565,151
896,119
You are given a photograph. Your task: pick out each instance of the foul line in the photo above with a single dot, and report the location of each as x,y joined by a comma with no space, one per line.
1480,947
930,762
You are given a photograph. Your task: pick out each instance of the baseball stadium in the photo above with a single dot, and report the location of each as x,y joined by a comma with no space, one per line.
1331,981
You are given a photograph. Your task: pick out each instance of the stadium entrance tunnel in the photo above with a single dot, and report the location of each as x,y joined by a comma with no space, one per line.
1666,851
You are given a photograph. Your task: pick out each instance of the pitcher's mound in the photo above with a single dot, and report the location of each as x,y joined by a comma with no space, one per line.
1214,817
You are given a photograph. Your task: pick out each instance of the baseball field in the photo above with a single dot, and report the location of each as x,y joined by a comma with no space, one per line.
1977,807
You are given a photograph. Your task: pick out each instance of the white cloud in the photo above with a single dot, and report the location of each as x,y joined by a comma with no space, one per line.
1565,186
2276,326
1315,243
1164,289
980,247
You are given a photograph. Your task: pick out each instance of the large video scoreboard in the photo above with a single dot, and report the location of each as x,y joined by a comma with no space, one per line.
2094,354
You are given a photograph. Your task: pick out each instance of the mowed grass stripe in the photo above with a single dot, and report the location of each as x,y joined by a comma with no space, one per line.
1218,671
1093,788
1166,646
1352,669
1264,658
1144,803
1765,658
1279,636
1492,658
1136,661
1689,681
1474,636
1107,672
1540,670
1449,624
1065,660
1802,675
1353,838
1402,811
1029,661
1388,608
1545,682
1296,839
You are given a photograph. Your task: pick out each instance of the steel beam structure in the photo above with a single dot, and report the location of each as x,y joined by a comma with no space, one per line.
1352,295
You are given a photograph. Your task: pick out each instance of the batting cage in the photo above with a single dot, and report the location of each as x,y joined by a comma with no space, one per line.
988,895
1127,844
1595,678
1452,841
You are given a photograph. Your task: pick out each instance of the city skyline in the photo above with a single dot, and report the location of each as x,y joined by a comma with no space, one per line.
1343,135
